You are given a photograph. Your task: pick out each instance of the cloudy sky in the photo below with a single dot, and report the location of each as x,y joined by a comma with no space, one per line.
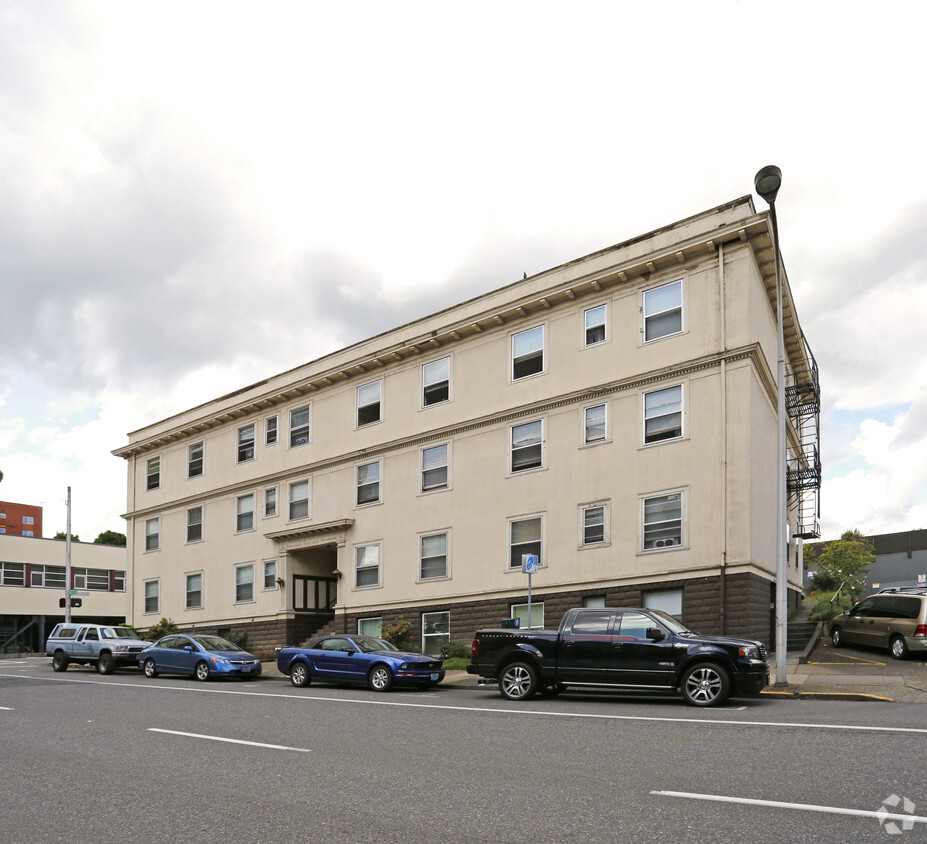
197,195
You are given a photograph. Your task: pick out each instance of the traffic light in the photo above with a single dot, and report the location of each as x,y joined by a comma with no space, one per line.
75,603
62,602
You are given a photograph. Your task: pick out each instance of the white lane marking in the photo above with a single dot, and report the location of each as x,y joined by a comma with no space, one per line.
805,807
229,740
7,708
522,712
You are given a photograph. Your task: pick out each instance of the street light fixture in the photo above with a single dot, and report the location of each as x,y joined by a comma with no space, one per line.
767,182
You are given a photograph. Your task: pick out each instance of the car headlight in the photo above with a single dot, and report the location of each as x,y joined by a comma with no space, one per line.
750,653
405,666
119,647
220,661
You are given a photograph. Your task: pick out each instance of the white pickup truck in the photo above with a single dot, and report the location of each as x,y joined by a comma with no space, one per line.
103,645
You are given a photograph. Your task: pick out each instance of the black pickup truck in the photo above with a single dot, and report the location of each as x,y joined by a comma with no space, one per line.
625,649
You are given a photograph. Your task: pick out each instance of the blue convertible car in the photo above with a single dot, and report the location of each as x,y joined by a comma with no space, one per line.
201,656
364,660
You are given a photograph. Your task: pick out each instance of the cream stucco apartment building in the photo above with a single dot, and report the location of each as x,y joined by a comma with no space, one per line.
615,416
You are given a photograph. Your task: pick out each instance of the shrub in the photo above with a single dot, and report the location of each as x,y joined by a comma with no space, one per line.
165,627
397,633
824,611
455,650
239,638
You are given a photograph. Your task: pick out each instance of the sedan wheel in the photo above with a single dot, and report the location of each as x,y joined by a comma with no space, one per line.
898,647
151,670
519,681
380,678
299,675
705,685
202,671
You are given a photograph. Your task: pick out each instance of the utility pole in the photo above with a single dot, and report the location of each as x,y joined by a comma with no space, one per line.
67,565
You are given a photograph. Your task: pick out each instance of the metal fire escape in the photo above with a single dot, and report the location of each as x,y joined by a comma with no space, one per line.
803,478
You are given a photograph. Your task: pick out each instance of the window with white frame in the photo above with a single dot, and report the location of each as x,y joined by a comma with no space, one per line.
119,581
28,520
524,538
594,601
667,600
195,459
595,325
244,583
368,483
299,425
594,430
528,353
152,534
246,443
436,632
370,626
436,382
194,591
28,533
270,502
527,446
194,524
433,556
367,565
270,574
244,512
662,522
434,467
663,311
368,403
299,500
536,621
663,414
270,430
594,524
2,529
51,577
152,473
152,596
12,574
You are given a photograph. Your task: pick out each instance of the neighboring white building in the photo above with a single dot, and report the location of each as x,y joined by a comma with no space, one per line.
615,415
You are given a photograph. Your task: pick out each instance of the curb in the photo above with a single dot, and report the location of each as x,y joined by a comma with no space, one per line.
851,696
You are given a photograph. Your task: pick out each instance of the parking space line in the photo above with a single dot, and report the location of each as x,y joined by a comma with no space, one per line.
881,815
229,740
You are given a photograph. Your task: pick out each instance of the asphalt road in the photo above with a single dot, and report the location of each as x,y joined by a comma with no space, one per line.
125,759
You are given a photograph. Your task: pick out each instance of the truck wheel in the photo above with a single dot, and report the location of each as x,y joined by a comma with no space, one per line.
519,681
380,678
60,661
705,684
106,664
150,668
300,675
201,672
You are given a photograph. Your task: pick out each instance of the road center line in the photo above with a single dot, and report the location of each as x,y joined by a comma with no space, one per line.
504,711
805,807
229,740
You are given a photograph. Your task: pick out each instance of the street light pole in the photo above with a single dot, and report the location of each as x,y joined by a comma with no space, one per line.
767,182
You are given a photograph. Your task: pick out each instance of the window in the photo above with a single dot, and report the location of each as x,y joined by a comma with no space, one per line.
153,474
28,533
194,591
195,459
152,534
433,556
594,601
668,600
525,538
520,611
2,529
595,325
436,379
246,443
634,625
663,311
194,524
152,596
663,521
367,565
434,468
51,577
12,574
270,574
528,353
245,512
368,403
270,502
368,483
270,430
299,426
594,430
244,583
526,446
663,415
119,581
28,520
299,500
436,631
592,623
370,626
594,524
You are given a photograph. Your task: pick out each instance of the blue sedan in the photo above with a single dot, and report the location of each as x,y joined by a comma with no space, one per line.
200,656
361,660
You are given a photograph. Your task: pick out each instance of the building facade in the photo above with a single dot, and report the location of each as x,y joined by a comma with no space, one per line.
615,416
20,519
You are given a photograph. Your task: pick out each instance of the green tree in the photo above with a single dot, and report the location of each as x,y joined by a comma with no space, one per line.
111,537
62,535
845,560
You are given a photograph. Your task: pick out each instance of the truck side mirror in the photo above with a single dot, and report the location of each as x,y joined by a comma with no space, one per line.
655,634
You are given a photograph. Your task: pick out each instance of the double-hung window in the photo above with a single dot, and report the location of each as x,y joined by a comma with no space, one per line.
594,524
367,565
663,414
194,591
595,325
270,430
436,631
270,574
527,446
244,583
152,534
270,502
536,619
299,425
152,596
663,522
663,311
528,353
524,538
194,524
244,506
436,381
368,483
433,556
368,403
594,429
246,443
434,468
195,459
153,473
299,500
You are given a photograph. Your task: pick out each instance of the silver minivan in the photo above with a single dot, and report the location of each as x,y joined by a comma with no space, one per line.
896,620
